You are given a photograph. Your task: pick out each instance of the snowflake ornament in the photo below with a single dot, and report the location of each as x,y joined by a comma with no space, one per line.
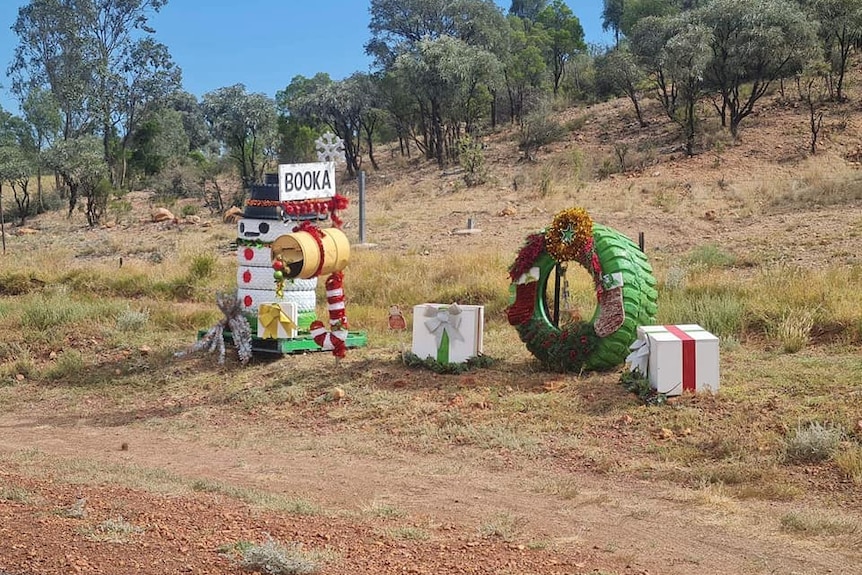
330,148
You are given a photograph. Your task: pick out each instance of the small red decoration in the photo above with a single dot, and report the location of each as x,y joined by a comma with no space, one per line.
247,301
305,207
249,254
246,276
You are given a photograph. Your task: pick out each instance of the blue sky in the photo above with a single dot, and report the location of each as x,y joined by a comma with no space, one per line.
262,43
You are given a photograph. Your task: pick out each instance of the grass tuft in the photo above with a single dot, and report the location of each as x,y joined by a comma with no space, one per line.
817,522
849,463
502,526
131,320
274,558
114,530
16,494
812,443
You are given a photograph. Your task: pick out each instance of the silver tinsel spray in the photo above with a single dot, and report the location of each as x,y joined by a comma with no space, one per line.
235,322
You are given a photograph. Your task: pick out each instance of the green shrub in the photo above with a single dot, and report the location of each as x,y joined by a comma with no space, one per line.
812,443
132,320
538,129
202,266
710,256
472,160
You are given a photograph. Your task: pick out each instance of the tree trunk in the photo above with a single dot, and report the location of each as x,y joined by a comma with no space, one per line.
39,199
437,126
2,219
493,109
368,140
689,129
633,96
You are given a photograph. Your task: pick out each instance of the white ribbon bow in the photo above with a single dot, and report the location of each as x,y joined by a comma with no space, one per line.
639,357
444,319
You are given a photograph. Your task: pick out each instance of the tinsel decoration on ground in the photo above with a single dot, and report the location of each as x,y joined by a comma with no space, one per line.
235,322
563,350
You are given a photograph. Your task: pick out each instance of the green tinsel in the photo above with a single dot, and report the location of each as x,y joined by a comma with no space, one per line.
563,350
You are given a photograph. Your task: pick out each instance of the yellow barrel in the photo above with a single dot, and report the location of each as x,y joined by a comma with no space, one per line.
302,255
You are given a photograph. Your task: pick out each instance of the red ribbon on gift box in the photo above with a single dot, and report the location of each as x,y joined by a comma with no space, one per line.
689,358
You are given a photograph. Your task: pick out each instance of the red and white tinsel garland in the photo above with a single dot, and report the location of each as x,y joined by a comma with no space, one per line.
335,340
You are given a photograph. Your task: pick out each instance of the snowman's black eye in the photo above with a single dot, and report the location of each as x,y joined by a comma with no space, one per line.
242,227
264,228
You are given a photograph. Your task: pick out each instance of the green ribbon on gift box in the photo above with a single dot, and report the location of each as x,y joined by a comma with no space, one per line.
444,323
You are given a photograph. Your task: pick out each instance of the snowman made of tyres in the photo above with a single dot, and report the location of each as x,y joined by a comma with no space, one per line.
264,221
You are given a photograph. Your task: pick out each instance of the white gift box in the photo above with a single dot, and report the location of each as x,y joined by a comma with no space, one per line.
679,358
277,320
448,333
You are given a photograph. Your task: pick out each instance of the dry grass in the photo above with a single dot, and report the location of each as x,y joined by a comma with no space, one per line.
819,522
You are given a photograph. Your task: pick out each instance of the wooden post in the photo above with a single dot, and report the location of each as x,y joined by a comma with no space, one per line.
641,241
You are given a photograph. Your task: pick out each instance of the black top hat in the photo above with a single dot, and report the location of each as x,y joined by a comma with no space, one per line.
268,192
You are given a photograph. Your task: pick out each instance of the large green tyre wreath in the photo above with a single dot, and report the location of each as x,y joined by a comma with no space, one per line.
576,347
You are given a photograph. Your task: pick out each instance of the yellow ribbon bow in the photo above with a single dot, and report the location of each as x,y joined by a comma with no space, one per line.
272,316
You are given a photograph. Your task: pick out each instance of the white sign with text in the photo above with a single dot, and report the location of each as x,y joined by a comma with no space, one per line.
306,181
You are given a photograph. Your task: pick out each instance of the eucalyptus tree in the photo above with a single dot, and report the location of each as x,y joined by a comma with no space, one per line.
636,10
246,125
403,32
398,25
348,107
840,32
42,115
16,160
159,139
527,9
648,40
194,124
675,52
687,54
566,37
368,90
525,71
123,66
403,111
147,77
612,17
52,54
445,73
80,163
91,54
298,134
617,73
16,169
754,44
